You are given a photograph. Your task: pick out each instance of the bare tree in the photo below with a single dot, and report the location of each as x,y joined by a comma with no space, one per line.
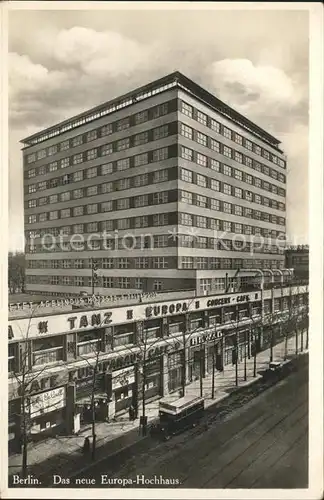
26,377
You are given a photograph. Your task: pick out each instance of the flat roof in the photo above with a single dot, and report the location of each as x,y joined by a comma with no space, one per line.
175,79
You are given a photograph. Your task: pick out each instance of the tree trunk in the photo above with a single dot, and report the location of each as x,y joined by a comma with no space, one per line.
201,372
143,401
184,366
286,346
296,341
93,414
213,376
245,359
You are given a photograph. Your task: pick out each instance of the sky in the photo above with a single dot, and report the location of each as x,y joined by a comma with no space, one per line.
254,60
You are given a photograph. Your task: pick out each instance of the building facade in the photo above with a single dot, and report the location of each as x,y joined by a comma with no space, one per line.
297,258
165,188
150,349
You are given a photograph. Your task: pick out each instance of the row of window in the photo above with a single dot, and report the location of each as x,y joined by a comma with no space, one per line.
106,282
106,187
218,147
204,161
105,150
207,121
106,206
222,187
103,131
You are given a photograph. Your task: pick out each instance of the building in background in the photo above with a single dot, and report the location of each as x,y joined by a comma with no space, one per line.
297,258
190,195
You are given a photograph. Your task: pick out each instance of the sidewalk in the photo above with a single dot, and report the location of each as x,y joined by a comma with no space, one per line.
62,455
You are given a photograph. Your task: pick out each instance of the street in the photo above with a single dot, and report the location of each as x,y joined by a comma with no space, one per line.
263,444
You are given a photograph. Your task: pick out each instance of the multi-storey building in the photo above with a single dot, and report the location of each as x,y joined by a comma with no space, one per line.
172,341
166,187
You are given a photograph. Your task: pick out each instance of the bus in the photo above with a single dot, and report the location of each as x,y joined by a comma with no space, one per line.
178,415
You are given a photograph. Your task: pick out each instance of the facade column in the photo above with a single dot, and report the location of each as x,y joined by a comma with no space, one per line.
205,325
164,375
165,326
70,408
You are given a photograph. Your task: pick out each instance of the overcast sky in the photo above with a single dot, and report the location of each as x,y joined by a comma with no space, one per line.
63,62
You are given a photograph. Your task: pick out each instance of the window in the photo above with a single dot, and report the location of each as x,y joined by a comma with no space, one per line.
123,184
141,117
123,144
202,160
238,192
202,263
215,224
227,151
78,229
107,206
161,241
248,179
53,166
227,170
66,264
106,187
215,185
160,154
215,165
66,212
281,178
77,211
186,109
201,118
160,219
248,195
238,175
106,168
201,242
106,149
227,226
123,263
214,125
107,263
238,139
248,162
78,176
159,198
186,153
92,190
42,170
141,221
214,204
107,282
257,149
41,154
227,132
227,207
257,198
91,172
238,157
31,158
42,185
274,189
201,201
227,189
160,110
238,228
123,282
186,219
141,201
106,130
91,135
79,281
65,162
201,221
187,262
92,154
160,132
160,263
202,139
141,263
257,182
265,154
77,141
215,145
141,138
266,202
186,197
201,180
161,175
185,175
248,144
248,212
93,208
31,203
32,219
77,193
186,131
238,210
123,164
31,173
141,180
247,229
66,196
123,224
42,217
140,160
123,124
67,179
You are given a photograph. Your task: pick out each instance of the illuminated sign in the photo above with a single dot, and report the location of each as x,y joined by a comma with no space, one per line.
46,402
84,321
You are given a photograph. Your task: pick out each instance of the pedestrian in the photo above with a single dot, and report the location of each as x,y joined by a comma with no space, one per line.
131,412
86,446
